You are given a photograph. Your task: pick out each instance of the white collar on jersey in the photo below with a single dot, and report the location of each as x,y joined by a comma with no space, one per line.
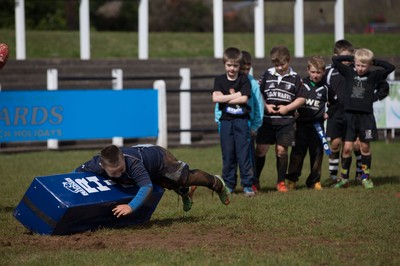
272,71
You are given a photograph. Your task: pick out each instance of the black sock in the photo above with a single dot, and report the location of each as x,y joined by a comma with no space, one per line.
260,162
346,163
281,166
365,165
358,163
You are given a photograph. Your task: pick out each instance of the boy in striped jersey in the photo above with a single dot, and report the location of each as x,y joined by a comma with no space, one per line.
283,92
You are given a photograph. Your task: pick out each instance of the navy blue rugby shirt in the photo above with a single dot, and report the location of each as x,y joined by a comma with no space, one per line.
143,164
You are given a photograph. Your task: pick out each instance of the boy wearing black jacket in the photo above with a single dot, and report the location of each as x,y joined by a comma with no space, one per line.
358,105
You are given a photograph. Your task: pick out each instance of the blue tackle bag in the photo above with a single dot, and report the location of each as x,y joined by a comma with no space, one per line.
76,202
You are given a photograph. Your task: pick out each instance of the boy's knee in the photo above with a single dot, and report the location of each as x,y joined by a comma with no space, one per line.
365,148
281,151
261,150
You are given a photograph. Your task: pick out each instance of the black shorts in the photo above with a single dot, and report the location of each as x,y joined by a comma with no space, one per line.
360,125
276,134
335,127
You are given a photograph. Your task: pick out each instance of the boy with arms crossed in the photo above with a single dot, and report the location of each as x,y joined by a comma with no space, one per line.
283,92
232,91
256,104
358,105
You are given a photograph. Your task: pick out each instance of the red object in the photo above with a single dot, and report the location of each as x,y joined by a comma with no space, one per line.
3,54
281,187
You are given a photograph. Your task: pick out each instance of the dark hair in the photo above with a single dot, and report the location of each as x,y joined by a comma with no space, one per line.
232,53
111,155
246,58
280,54
343,45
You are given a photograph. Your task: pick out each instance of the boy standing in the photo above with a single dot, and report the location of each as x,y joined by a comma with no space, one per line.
232,91
283,92
145,165
255,102
310,117
335,128
358,106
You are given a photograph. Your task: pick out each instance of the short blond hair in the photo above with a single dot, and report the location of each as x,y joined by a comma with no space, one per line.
316,61
364,55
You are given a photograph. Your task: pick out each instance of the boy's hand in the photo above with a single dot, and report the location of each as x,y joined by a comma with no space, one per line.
122,210
272,108
283,110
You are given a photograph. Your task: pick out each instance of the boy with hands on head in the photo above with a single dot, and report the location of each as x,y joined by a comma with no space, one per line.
360,93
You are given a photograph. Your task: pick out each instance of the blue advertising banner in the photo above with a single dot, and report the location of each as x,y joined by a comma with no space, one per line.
78,114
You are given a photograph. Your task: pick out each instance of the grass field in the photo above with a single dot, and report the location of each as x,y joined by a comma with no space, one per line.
65,44
304,227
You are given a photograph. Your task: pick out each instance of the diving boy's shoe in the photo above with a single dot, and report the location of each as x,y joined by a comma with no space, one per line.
342,183
187,202
225,194
367,183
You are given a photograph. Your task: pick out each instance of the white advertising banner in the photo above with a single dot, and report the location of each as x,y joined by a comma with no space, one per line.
387,111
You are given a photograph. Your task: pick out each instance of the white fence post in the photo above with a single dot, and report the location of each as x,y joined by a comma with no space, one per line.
84,29
162,139
299,28
117,84
259,34
339,20
185,106
52,85
218,8
143,30
20,29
